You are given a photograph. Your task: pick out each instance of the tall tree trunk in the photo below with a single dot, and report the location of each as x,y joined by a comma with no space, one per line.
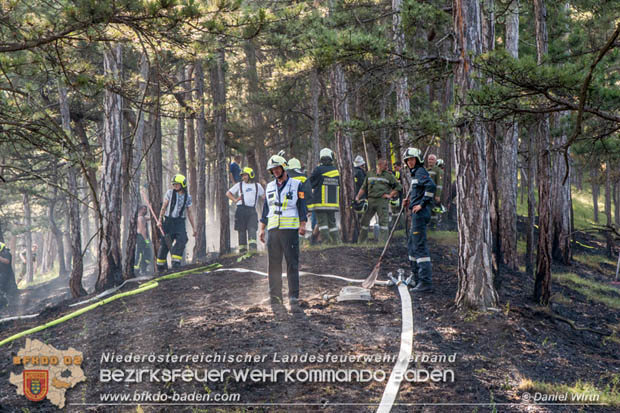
401,81
561,199
315,86
77,270
200,245
111,185
218,91
154,167
508,150
56,232
594,177
340,103
67,234
384,144
617,203
258,158
475,274
28,236
608,236
542,284
181,129
191,143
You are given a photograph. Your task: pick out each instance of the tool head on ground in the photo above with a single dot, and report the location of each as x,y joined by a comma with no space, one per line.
294,163
274,162
359,161
440,163
180,179
248,171
413,153
353,293
372,278
326,155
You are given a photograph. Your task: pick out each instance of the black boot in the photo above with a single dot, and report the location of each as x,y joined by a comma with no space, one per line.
422,287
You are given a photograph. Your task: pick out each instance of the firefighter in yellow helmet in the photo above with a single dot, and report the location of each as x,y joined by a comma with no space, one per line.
284,217
175,208
245,195
325,183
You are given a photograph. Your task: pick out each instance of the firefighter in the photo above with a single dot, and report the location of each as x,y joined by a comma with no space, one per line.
359,172
436,174
325,183
143,243
295,171
284,216
246,195
175,208
420,203
380,186
8,286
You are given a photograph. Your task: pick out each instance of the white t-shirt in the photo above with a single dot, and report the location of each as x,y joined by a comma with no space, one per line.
249,193
178,205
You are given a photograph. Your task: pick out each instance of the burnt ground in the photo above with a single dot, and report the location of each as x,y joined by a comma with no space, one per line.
224,312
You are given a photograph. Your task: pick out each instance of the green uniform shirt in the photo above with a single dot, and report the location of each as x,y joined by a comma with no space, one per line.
375,186
436,174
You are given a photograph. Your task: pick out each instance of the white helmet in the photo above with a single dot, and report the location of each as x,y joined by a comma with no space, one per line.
358,161
439,163
413,153
276,160
326,153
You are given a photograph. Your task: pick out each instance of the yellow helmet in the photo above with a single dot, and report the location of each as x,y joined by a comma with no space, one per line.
249,171
180,179
294,163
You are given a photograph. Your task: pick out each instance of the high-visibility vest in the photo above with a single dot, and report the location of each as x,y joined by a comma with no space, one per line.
283,213
326,197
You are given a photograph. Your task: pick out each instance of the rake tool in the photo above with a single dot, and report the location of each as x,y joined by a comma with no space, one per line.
167,238
372,278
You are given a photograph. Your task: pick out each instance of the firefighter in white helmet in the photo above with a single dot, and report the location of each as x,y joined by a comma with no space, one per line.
284,216
325,183
420,202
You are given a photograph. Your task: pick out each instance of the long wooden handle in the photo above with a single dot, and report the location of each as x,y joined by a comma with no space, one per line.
402,207
148,204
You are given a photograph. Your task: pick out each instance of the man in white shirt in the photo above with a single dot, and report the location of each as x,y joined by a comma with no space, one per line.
175,208
246,194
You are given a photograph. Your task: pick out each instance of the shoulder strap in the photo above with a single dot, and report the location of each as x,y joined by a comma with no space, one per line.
173,204
241,192
184,203
256,194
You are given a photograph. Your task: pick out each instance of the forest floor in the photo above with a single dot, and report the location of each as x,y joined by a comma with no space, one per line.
499,354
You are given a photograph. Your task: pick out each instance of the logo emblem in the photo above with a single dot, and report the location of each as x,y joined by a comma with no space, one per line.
35,384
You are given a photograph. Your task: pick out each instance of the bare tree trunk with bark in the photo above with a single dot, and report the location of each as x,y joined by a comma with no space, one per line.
181,129
315,86
475,273
218,91
200,245
28,236
340,103
111,185
594,179
401,81
258,158
561,199
191,141
508,162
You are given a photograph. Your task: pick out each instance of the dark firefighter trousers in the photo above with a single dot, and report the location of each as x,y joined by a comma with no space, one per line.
327,225
246,225
283,243
144,255
175,228
419,256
